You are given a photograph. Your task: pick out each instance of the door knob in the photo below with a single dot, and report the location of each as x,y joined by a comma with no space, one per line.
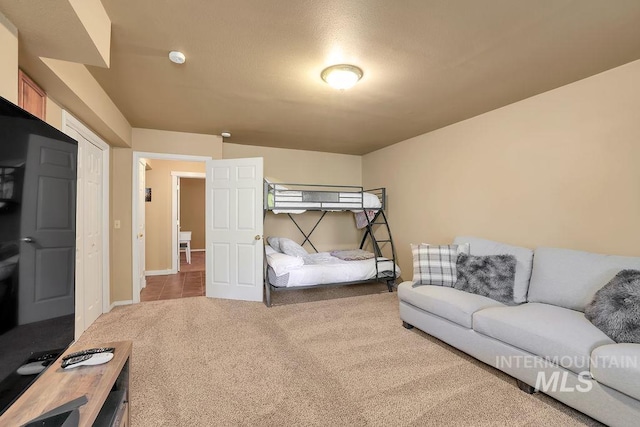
27,240
258,237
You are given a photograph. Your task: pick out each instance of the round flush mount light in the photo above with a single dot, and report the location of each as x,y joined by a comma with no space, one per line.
226,134
177,57
341,76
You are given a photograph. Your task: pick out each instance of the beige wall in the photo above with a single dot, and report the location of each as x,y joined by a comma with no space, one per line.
97,24
192,209
158,247
337,229
145,140
9,62
54,114
558,169
121,182
161,141
96,109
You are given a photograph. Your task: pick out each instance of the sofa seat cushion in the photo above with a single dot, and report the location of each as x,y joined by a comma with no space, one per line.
449,303
562,336
618,366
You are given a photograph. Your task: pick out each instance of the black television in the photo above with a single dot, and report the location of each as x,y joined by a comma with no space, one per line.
38,173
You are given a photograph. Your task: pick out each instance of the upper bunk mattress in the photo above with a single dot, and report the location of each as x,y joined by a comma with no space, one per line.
281,199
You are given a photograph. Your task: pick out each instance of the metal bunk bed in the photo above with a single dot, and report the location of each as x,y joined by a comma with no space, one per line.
293,198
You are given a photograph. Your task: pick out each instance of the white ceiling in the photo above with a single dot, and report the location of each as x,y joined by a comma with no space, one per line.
253,66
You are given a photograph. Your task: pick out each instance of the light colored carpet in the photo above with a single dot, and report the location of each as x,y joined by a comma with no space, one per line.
338,362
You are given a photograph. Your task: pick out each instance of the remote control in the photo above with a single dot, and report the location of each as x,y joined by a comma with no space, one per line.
32,368
47,356
87,360
89,351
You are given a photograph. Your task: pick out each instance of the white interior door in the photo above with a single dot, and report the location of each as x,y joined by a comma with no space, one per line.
92,224
177,247
234,229
79,323
142,170
92,230
89,224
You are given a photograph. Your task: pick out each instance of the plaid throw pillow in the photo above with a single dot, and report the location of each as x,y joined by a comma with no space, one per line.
436,265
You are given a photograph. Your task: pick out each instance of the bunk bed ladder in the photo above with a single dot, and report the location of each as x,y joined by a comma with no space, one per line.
380,219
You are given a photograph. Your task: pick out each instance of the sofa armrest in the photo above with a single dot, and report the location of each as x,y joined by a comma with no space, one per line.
618,366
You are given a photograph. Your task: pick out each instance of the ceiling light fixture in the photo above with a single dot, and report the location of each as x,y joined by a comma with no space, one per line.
226,134
177,57
341,76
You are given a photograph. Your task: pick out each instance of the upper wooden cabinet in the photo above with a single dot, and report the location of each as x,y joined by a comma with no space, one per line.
30,96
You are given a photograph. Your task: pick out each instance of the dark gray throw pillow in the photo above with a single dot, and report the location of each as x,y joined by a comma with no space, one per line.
491,276
615,308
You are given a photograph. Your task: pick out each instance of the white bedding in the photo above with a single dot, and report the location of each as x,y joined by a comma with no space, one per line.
322,268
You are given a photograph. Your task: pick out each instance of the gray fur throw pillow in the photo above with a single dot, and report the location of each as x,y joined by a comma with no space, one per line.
491,276
615,308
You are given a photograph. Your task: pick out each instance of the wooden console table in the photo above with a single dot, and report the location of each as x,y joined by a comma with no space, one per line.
57,386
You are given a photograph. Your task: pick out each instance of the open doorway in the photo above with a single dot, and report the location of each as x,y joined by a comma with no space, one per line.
188,215
155,233
233,227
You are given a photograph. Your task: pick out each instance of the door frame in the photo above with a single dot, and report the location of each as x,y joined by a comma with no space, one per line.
137,155
141,163
175,179
70,121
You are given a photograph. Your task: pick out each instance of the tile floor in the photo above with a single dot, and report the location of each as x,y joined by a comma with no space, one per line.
187,283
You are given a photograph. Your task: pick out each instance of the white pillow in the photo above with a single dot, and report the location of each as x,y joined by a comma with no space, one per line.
269,250
274,242
282,263
290,247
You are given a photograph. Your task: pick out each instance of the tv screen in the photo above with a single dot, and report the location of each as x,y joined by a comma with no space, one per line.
37,247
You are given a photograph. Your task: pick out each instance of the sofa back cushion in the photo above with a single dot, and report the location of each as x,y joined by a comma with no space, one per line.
524,260
569,278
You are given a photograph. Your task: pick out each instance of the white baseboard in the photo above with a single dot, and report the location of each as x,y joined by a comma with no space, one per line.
159,272
118,303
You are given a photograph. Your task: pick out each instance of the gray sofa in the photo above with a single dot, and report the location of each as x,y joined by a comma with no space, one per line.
545,341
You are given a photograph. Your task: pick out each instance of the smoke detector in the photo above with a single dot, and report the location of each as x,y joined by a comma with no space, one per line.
177,57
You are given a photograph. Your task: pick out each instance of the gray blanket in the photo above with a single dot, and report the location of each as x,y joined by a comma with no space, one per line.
352,255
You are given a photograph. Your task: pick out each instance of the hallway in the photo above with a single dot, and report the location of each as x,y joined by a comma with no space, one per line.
189,282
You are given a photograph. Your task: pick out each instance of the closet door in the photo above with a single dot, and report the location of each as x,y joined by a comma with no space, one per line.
89,232
93,219
79,305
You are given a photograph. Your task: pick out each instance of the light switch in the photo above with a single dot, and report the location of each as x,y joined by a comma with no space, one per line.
116,223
